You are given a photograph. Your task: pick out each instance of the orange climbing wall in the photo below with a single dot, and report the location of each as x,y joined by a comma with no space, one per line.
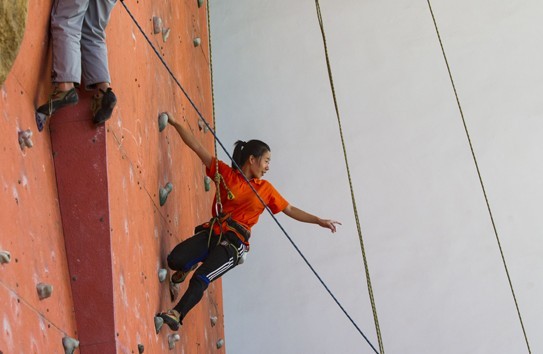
138,160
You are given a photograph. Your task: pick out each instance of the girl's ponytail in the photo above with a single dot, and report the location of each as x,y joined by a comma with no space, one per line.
243,150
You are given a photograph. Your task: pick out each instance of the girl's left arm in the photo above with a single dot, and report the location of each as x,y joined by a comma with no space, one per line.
303,216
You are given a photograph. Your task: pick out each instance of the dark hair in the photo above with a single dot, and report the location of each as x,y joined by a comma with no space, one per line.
243,150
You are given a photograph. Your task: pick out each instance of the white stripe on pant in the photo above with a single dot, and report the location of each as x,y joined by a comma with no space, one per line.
227,266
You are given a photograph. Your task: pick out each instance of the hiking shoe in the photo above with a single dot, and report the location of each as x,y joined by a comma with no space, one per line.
171,318
102,105
57,100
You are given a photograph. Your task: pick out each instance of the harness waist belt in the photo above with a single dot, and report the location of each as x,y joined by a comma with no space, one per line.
241,232
239,229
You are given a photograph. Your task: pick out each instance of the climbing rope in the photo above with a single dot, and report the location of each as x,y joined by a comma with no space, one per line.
355,210
218,176
479,175
218,141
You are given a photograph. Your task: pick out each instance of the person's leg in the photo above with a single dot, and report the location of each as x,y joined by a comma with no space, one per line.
220,260
66,22
189,253
93,44
184,258
95,59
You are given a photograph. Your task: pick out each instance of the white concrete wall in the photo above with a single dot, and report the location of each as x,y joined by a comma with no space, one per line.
438,278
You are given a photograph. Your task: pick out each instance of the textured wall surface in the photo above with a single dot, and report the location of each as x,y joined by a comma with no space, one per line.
12,27
37,183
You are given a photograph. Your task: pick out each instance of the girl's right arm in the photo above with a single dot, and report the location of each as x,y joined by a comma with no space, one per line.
192,143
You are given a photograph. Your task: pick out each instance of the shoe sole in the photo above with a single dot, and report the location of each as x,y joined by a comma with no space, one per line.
174,325
104,114
41,117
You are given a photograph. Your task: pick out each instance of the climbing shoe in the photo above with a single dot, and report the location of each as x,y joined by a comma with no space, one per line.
177,278
102,105
57,100
171,318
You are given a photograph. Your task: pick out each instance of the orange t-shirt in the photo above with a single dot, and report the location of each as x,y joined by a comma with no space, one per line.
245,208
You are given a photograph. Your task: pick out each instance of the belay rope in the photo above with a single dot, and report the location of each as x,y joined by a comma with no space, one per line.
368,280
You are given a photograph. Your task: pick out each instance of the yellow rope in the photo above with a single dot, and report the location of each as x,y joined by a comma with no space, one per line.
480,178
366,268
218,176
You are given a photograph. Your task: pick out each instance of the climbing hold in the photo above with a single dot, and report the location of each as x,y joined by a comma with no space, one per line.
44,290
213,320
141,348
220,343
69,344
230,195
165,34
159,322
157,24
172,338
200,3
162,274
5,257
174,290
202,125
25,139
163,121
196,41
163,193
41,119
207,183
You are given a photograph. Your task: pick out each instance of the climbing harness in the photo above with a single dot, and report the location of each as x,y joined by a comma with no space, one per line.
227,225
366,268
479,176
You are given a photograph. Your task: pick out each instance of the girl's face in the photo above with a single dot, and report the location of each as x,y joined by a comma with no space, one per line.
260,165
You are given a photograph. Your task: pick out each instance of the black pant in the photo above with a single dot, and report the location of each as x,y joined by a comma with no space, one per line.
217,257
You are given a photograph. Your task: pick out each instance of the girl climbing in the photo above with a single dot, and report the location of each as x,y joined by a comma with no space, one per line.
220,244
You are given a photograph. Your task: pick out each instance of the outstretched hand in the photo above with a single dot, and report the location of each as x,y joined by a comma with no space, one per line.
329,224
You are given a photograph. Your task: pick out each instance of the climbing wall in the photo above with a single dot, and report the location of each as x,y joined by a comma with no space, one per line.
31,228
80,205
